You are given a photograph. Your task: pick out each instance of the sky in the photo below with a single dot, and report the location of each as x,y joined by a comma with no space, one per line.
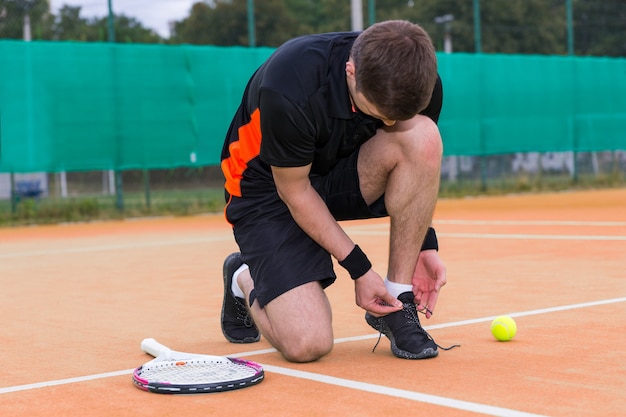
153,14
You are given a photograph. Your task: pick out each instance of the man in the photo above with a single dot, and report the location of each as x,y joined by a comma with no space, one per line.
334,127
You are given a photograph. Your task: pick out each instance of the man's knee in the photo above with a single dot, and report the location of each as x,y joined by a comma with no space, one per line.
414,142
301,334
422,141
306,349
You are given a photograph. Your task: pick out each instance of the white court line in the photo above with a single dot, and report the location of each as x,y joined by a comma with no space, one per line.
504,236
490,318
373,230
463,222
383,230
378,389
522,236
46,384
124,246
400,393
530,223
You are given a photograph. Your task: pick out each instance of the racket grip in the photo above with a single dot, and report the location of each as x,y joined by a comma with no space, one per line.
153,347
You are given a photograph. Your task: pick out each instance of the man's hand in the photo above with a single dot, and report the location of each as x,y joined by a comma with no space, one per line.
373,297
429,277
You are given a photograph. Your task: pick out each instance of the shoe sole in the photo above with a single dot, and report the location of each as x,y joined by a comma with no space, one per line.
225,275
379,325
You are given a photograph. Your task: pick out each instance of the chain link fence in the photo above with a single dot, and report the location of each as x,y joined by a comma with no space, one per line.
532,171
20,18
461,174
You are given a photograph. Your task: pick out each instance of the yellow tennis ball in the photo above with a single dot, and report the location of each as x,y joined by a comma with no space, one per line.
503,328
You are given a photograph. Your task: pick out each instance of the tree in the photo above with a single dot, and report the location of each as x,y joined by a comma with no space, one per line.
225,23
12,14
127,30
506,26
527,27
68,25
600,27
318,16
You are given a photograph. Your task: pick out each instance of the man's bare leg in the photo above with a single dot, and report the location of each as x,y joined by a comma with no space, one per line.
404,163
298,323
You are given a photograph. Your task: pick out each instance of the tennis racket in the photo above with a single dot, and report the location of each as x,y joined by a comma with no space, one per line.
174,372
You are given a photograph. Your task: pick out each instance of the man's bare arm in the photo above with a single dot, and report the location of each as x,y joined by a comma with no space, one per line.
310,212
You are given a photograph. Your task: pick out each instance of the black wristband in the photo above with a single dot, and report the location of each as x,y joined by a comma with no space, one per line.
430,241
356,263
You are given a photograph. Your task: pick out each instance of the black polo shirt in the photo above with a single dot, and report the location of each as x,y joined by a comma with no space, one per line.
296,110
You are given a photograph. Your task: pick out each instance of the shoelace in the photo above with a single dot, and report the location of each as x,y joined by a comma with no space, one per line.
413,318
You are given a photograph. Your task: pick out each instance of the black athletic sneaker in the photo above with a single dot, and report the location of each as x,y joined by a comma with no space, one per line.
408,338
237,323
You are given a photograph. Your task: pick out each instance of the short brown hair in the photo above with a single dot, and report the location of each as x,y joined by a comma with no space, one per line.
395,67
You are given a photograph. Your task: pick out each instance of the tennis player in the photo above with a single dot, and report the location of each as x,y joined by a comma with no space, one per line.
333,127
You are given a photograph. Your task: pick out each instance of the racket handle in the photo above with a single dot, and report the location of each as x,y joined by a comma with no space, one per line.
152,347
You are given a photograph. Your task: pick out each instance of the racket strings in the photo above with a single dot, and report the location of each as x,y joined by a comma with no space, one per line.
191,372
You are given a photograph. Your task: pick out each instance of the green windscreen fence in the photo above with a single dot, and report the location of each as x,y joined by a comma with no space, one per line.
79,106
68,106
495,104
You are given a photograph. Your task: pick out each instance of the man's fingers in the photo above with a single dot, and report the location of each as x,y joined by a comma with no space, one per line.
428,304
418,296
384,306
379,310
390,300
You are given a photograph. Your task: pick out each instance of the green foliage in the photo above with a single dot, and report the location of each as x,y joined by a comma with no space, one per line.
200,201
68,24
226,23
12,17
600,27
506,26
528,183
89,207
33,211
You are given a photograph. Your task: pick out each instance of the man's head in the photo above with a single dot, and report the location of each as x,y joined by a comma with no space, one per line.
394,66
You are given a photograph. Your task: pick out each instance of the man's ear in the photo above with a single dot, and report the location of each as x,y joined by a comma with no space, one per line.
350,69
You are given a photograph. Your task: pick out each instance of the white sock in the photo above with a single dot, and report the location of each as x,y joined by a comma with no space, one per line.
235,286
396,289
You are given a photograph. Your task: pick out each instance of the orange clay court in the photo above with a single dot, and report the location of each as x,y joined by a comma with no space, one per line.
77,300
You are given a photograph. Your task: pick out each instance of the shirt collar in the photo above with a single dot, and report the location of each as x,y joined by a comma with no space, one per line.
339,103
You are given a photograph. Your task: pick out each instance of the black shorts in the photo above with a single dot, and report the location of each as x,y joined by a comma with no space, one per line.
281,256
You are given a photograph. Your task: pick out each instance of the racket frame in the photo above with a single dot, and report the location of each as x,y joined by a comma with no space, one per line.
165,357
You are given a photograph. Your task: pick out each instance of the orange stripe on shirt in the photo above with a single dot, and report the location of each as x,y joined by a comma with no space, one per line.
242,151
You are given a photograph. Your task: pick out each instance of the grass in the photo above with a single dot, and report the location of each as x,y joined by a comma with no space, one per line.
89,207
99,207
529,184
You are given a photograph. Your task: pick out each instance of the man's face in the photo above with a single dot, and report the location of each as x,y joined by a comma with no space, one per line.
358,99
